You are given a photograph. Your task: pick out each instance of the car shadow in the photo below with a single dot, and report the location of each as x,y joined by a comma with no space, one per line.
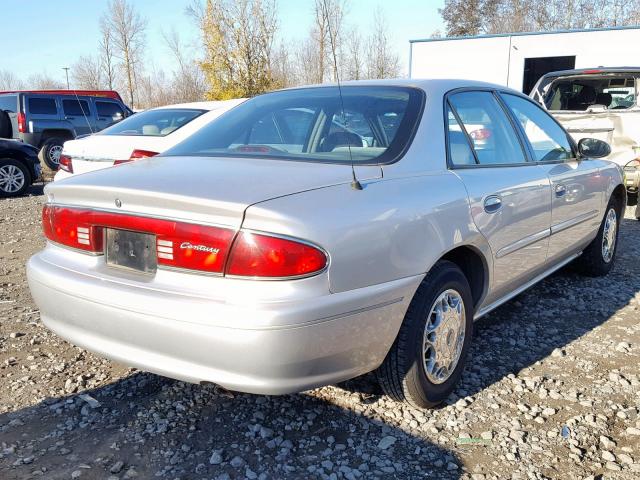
161,427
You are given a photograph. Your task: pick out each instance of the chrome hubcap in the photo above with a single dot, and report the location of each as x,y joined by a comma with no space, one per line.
444,336
11,178
609,235
54,154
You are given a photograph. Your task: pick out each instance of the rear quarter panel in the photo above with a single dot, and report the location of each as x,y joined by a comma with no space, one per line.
391,229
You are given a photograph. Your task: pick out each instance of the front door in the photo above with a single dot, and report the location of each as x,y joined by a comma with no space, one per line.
510,197
576,186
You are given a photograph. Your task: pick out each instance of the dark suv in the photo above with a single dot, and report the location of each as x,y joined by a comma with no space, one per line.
48,118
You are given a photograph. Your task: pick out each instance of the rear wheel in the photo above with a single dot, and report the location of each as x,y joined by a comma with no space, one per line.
597,259
50,152
427,358
14,177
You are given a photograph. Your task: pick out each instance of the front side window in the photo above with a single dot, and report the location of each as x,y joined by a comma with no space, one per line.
154,123
75,107
109,109
487,126
367,125
42,106
548,140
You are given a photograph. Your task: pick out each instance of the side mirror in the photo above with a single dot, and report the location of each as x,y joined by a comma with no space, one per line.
593,148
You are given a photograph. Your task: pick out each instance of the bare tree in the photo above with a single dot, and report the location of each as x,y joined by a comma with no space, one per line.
10,81
354,66
42,81
87,73
127,30
327,35
383,62
107,60
188,80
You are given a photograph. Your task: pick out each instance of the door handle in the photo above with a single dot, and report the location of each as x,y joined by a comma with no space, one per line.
492,204
561,190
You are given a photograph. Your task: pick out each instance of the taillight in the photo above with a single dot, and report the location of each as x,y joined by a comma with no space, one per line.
263,256
137,154
189,246
72,228
66,163
480,134
22,123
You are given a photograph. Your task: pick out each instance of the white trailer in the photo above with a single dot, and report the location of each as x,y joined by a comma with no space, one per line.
518,60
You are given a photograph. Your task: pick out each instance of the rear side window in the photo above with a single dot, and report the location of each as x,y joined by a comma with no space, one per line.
460,151
75,107
548,140
8,103
42,106
109,109
486,124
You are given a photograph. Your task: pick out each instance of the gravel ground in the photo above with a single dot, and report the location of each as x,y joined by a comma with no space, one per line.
551,391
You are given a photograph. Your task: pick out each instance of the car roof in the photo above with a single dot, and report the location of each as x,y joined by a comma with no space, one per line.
428,85
592,71
212,105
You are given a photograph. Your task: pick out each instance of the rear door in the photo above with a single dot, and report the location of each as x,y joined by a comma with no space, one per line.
108,112
78,113
510,196
577,188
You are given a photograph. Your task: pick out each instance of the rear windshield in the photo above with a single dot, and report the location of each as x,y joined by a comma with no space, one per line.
154,123
368,125
581,92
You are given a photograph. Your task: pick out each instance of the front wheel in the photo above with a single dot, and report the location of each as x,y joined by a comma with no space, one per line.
427,358
597,259
14,177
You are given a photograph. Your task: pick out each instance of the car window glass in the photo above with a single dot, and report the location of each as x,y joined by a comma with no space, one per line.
75,107
460,152
109,109
314,124
493,138
153,123
581,92
8,103
42,106
548,140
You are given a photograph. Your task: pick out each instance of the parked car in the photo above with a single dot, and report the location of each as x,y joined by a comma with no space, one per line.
47,118
275,260
600,103
143,135
19,167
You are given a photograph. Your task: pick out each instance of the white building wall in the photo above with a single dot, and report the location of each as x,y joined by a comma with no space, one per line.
500,59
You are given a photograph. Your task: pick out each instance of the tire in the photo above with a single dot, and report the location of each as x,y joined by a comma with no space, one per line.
597,259
404,374
6,130
14,177
50,152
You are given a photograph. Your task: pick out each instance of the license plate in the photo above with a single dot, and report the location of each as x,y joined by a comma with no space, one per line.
131,250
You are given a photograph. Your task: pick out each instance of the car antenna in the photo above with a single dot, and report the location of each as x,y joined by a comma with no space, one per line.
355,184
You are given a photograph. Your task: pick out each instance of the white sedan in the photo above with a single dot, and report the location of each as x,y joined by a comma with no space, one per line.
142,135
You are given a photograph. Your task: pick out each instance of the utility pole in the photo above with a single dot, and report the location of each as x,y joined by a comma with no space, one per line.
66,71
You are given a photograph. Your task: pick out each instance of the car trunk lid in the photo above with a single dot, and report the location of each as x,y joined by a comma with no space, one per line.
208,190
100,151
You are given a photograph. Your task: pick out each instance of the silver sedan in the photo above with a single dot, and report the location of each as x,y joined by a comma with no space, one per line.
315,234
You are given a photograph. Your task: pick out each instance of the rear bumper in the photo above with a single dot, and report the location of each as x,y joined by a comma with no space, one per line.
277,348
